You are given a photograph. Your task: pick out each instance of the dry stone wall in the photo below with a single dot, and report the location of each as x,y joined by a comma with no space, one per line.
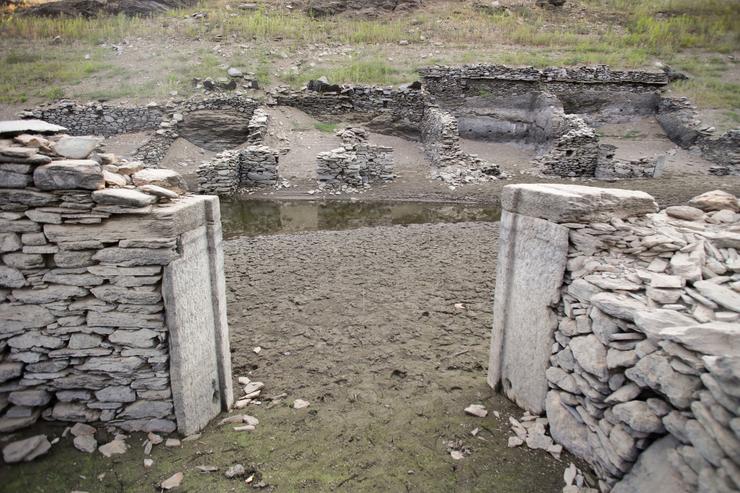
357,163
635,356
96,309
387,108
253,166
441,139
168,120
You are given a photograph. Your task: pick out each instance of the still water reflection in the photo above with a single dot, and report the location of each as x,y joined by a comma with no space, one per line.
258,217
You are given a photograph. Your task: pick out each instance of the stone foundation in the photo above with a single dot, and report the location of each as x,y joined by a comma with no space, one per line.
111,293
627,336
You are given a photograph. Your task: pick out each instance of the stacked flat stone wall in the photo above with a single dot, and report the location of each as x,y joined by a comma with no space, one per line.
596,90
356,163
111,292
632,328
229,170
258,127
388,108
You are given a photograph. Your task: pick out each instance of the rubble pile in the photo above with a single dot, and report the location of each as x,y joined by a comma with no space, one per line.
357,163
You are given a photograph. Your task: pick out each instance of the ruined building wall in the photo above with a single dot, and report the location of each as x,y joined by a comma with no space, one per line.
229,170
596,90
357,162
111,296
385,108
167,119
632,329
679,119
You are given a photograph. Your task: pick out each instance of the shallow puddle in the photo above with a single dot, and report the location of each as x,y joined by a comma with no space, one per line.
260,217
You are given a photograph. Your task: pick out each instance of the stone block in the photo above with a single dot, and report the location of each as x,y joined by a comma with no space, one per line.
575,203
69,175
531,264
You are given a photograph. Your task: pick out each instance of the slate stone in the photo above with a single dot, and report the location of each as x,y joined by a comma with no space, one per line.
638,416
565,428
123,197
721,295
72,411
147,409
24,260
652,472
76,147
30,398
655,371
590,355
713,338
117,294
116,394
165,178
651,323
617,305
69,175
9,242
143,338
113,364
132,257
33,339
17,127
49,294
28,449
10,370
11,278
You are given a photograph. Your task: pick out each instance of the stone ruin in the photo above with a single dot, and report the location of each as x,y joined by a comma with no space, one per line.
622,325
112,306
357,163
554,110
230,170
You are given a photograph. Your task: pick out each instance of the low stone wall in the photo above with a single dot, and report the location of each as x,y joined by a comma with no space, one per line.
111,292
229,170
622,325
575,153
356,163
384,108
680,121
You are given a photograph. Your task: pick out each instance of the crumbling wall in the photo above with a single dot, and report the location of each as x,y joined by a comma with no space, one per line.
679,119
633,349
356,163
166,119
257,127
94,302
388,109
441,140
229,170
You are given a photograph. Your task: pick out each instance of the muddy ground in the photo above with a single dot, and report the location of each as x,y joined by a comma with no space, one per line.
385,331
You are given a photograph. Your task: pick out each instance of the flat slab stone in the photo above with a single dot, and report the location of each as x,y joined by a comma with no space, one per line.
531,264
713,338
123,197
69,174
575,203
14,127
76,147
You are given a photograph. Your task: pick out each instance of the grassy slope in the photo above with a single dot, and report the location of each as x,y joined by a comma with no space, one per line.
285,47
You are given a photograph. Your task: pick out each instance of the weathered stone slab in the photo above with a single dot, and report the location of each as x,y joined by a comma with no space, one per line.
165,178
531,264
165,221
17,127
28,449
575,203
713,338
123,197
194,364
69,175
76,147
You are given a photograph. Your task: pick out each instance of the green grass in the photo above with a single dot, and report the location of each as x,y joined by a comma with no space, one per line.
326,127
371,71
42,73
620,33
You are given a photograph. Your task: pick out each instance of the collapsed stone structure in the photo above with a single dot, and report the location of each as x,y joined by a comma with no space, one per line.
215,122
679,119
622,325
357,162
229,170
112,303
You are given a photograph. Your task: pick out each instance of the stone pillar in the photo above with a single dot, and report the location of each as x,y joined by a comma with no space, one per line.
532,259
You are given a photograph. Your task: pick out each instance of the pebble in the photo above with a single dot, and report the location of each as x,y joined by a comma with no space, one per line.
172,482
172,443
476,410
300,404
